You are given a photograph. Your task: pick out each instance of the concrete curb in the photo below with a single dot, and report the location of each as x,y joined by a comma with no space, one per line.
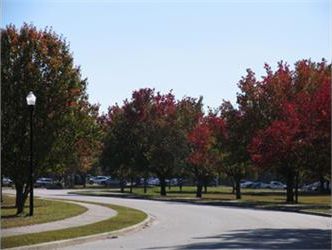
231,205
74,241
314,213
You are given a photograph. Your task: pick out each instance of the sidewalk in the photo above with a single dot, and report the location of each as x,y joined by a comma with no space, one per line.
94,214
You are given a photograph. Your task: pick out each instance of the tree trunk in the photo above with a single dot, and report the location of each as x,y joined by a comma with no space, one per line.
205,185
162,186
219,179
69,179
84,180
290,191
122,185
180,184
131,184
65,181
238,189
19,198
145,185
1,188
328,186
199,189
321,186
233,186
72,181
297,188
26,192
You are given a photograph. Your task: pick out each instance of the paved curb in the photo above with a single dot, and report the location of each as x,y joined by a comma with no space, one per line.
314,213
74,241
280,209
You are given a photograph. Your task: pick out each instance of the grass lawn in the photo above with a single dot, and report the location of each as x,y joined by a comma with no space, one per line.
125,217
260,198
44,211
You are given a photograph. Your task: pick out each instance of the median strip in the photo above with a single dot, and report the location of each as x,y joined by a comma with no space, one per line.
126,217
93,214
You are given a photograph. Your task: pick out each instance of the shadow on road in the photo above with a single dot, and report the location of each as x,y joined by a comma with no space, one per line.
262,239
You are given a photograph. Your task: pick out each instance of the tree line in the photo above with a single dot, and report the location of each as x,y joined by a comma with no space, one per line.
281,123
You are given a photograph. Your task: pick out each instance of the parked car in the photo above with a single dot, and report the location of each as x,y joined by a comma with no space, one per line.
173,181
311,187
277,185
177,181
44,182
6,182
55,185
246,184
259,184
153,181
100,180
113,182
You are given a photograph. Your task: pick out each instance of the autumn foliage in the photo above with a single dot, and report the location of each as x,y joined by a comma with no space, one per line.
295,137
205,151
281,123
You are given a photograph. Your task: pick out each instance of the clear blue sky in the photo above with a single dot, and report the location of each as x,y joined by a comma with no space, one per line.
193,47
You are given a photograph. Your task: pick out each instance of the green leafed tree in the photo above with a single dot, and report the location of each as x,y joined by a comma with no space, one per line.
39,61
120,148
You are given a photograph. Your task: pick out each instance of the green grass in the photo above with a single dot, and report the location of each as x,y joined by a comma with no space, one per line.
259,198
44,211
125,217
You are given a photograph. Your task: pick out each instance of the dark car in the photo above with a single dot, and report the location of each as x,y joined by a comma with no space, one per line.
55,185
112,182
259,184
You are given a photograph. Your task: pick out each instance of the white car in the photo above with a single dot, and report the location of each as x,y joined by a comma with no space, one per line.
100,180
6,182
246,184
311,187
153,181
44,182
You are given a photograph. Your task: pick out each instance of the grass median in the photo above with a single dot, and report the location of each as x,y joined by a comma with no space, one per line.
125,217
44,211
222,195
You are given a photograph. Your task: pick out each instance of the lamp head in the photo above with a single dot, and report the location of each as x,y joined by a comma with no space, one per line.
31,99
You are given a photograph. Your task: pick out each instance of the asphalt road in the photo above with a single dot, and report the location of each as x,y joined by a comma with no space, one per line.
188,226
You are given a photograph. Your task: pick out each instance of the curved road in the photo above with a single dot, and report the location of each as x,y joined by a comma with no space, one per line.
188,226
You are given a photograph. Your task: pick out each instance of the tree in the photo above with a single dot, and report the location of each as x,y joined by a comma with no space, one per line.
236,158
314,111
295,105
120,147
189,113
278,146
83,135
145,135
166,140
205,153
37,60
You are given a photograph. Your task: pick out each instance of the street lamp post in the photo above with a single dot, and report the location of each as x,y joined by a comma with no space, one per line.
31,101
